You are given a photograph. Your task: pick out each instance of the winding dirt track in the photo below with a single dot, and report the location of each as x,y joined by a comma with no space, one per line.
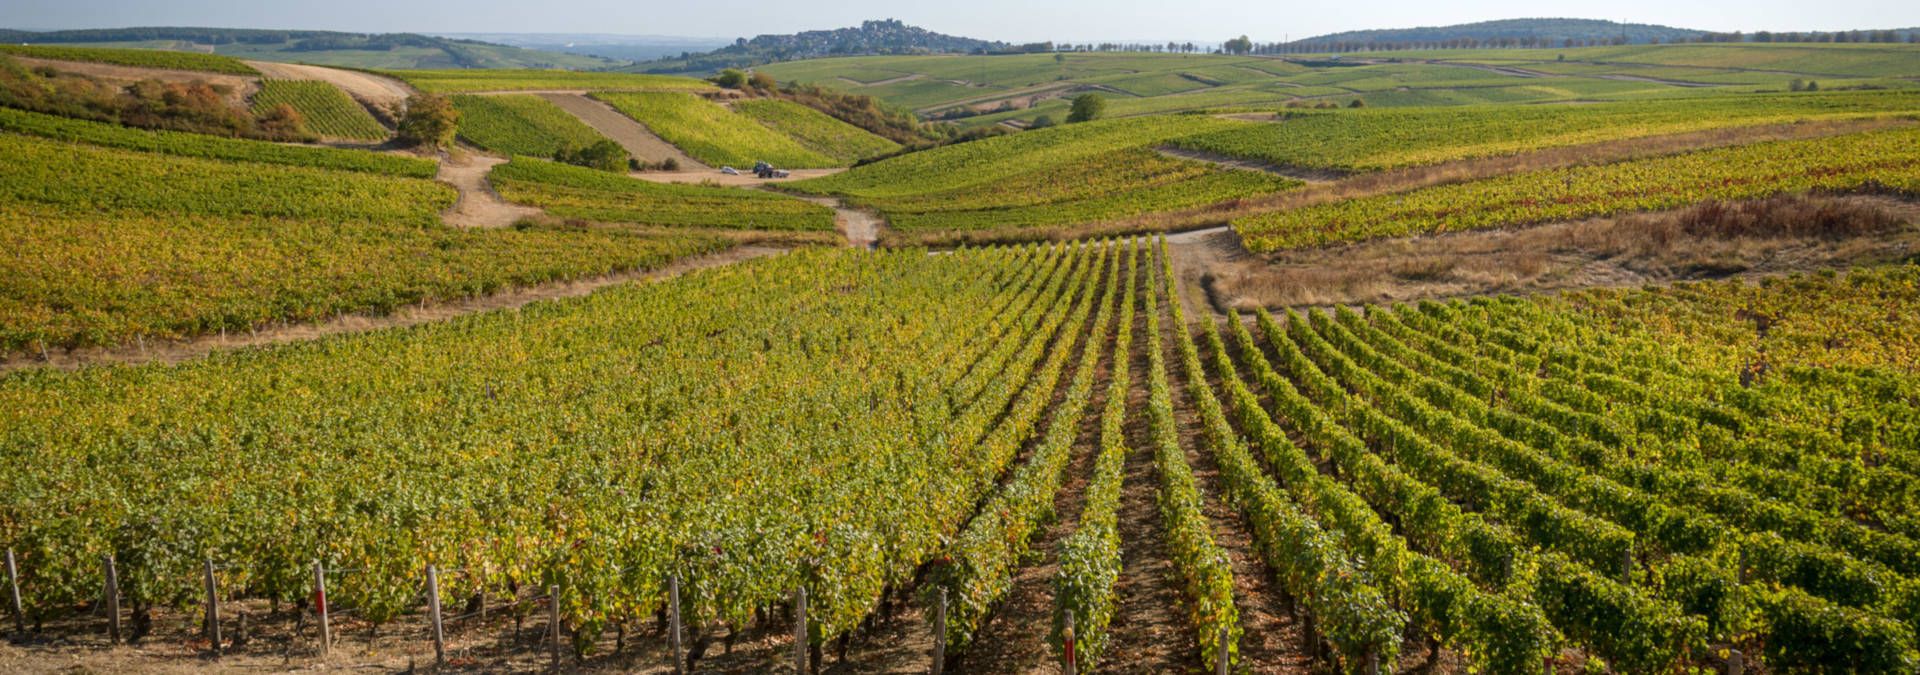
634,136
479,205
193,348
365,87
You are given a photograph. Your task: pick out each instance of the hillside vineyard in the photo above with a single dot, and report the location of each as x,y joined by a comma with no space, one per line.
1437,356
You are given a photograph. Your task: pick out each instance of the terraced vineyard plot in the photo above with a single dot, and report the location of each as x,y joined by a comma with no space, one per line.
816,130
521,125
143,58
1877,161
104,245
211,147
1032,182
713,134
1373,139
327,111
636,413
464,81
576,192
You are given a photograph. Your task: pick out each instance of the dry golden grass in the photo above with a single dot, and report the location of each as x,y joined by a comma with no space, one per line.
1714,239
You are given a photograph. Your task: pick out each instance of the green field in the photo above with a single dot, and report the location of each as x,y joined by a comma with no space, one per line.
464,81
1370,139
1877,161
714,134
521,125
1146,83
576,192
327,110
1070,175
816,130
134,57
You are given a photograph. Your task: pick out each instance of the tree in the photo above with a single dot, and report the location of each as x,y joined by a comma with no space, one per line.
731,78
602,155
283,122
763,82
1059,58
1357,103
431,121
1087,108
1042,122
1239,45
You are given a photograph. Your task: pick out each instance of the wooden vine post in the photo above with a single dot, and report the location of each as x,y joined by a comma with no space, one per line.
940,631
320,607
673,622
553,624
800,630
1223,659
433,610
213,610
111,594
13,586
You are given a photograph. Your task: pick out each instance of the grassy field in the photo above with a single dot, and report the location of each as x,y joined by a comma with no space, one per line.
713,134
1370,139
1881,161
464,81
105,244
1145,83
521,125
327,110
816,130
575,192
134,57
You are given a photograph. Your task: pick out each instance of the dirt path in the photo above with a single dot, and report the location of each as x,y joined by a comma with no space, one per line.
744,179
881,83
1296,173
1657,80
860,226
634,136
367,88
1502,70
241,87
193,348
479,205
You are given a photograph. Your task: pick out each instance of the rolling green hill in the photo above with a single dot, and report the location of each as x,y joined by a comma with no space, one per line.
327,48
977,90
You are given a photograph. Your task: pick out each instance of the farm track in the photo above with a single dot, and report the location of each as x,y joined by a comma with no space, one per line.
861,227
479,205
367,88
630,134
204,345
1297,173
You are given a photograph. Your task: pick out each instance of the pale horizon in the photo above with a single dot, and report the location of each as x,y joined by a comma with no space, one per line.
1004,20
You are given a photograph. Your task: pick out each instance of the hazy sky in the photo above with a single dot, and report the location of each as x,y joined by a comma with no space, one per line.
1011,20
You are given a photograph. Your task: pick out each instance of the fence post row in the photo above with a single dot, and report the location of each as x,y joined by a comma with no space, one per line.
800,630
673,622
13,584
433,609
320,606
213,610
112,596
